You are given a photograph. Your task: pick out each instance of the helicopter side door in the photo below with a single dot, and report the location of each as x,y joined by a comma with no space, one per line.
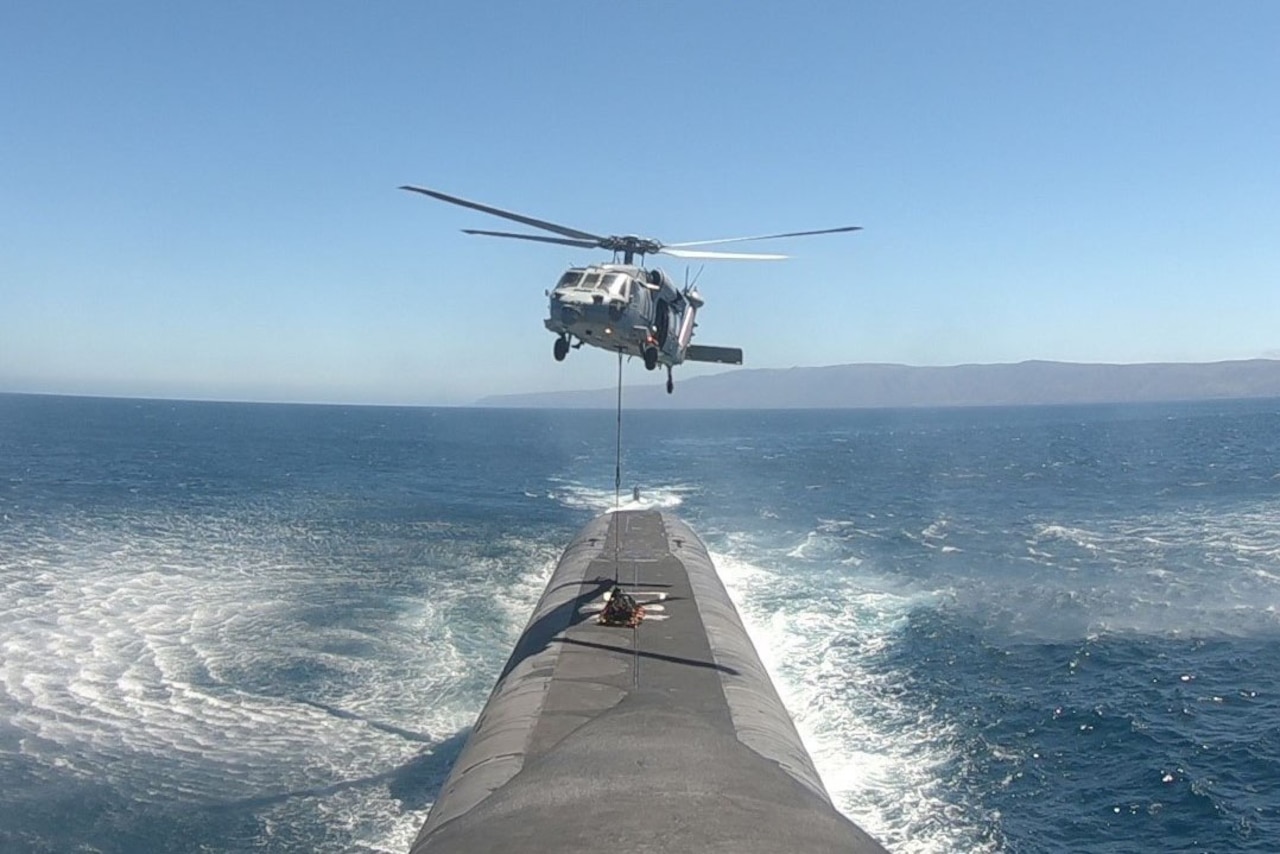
662,322
641,304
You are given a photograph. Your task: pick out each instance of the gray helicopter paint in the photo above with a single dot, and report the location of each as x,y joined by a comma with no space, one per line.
666,737
649,312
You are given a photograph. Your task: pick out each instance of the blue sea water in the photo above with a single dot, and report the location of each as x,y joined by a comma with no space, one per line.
232,627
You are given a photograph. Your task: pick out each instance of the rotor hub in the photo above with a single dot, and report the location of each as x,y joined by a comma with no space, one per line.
630,243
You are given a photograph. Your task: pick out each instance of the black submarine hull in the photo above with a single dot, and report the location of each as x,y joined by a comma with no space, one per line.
668,736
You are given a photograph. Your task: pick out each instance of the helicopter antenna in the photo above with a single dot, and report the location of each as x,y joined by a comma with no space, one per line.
688,286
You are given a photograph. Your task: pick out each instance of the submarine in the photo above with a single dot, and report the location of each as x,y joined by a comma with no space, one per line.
634,715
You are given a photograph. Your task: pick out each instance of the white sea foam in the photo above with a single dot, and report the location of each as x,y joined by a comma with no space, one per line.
814,542
880,756
658,497
212,661
1210,570
935,530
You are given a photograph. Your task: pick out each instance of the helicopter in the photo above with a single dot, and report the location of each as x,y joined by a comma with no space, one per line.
622,306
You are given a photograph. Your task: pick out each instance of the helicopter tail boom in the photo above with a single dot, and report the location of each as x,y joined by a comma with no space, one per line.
706,353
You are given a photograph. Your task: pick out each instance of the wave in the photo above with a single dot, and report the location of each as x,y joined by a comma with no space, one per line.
249,663
1196,572
880,754
580,497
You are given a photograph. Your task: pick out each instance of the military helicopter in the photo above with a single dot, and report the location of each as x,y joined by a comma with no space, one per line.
623,307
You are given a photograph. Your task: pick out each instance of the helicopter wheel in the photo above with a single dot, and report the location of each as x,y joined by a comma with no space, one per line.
561,349
650,358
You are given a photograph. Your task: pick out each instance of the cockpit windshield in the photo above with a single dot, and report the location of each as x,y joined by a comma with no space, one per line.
616,285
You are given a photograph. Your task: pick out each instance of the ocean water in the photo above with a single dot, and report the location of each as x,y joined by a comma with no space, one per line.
230,627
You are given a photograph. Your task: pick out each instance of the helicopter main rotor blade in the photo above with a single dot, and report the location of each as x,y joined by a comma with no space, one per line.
563,241
511,215
723,256
770,236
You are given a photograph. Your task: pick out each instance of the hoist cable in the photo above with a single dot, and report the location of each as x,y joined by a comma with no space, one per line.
617,474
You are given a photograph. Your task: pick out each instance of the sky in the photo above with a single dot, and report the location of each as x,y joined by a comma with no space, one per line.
199,200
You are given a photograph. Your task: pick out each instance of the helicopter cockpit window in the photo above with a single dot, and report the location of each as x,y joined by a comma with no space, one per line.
569,279
590,281
615,284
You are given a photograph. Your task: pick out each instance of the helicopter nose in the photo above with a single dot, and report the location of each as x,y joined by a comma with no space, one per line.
569,315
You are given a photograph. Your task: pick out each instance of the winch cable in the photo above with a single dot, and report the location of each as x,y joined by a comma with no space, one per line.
635,616
617,475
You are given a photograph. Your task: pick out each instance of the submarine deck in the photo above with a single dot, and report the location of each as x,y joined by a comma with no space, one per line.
668,736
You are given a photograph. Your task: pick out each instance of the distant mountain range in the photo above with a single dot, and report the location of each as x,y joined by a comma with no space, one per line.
880,385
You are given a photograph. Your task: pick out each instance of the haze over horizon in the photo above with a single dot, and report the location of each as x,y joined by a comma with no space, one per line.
200,201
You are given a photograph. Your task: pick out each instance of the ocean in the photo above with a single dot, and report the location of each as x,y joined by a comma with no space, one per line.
240,627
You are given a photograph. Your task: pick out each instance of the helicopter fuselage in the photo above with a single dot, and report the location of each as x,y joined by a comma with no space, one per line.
624,308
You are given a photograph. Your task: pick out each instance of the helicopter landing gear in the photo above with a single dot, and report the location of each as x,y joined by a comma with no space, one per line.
561,348
650,358
671,384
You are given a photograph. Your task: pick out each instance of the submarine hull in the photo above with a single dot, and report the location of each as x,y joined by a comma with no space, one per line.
666,736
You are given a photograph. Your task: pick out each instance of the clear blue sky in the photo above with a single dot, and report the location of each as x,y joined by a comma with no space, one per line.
199,199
